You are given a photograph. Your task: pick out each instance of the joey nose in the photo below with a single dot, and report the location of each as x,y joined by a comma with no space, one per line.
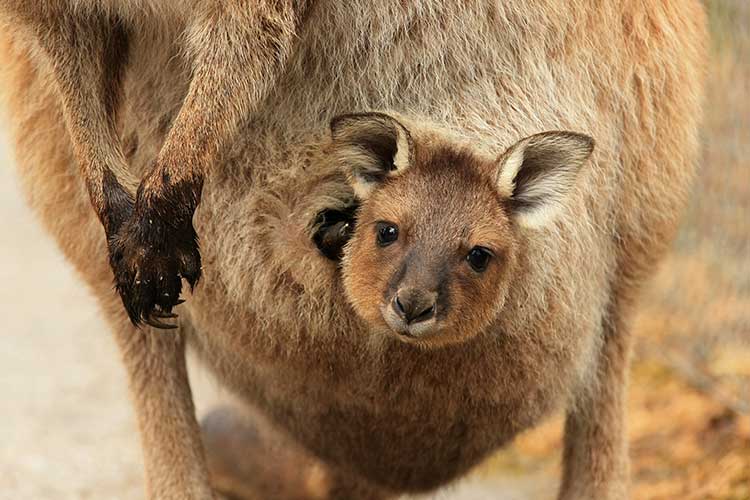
414,305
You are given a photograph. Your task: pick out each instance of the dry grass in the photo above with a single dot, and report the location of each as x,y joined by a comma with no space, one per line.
690,386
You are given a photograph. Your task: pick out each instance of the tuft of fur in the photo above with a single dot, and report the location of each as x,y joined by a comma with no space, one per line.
272,318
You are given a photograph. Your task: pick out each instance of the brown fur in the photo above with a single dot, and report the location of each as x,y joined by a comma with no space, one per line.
271,315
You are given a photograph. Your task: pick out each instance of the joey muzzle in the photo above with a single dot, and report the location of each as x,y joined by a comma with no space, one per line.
412,312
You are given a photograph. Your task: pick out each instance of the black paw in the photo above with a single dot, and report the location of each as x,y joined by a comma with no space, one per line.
333,229
149,257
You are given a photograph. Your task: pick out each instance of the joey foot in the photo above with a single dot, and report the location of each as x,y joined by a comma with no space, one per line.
150,254
334,228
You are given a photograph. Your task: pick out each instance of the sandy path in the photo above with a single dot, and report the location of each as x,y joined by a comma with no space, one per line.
68,430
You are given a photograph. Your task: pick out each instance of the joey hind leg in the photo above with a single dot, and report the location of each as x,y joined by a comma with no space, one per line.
595,457
249,459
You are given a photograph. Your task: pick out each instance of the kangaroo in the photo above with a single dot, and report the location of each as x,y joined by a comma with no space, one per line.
399,292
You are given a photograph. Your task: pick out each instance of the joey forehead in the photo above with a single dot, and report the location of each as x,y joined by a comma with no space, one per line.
444,199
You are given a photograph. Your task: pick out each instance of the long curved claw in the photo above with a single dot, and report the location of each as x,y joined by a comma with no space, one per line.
158,324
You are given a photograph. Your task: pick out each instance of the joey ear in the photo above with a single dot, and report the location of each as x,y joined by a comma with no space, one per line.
538,172
370,147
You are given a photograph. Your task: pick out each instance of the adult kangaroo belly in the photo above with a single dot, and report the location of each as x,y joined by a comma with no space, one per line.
402,418
271,316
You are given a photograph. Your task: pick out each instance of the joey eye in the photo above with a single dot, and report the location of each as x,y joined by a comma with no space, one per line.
387,233
478,258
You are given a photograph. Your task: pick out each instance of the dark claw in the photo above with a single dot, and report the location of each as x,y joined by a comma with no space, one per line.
191,269
192,279
158,324
163,314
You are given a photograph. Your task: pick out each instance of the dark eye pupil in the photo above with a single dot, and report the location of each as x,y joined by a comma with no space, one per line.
387,234
478,258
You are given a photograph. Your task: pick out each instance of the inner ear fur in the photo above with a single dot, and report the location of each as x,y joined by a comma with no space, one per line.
537,173
370,147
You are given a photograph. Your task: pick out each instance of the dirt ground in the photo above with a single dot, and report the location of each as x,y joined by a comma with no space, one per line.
69,433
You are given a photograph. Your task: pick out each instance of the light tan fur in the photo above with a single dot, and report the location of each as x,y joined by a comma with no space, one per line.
271,316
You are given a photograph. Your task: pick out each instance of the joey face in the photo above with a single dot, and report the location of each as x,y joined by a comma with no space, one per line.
437,234
431,255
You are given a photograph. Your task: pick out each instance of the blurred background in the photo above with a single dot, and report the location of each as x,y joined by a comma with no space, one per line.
68,430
